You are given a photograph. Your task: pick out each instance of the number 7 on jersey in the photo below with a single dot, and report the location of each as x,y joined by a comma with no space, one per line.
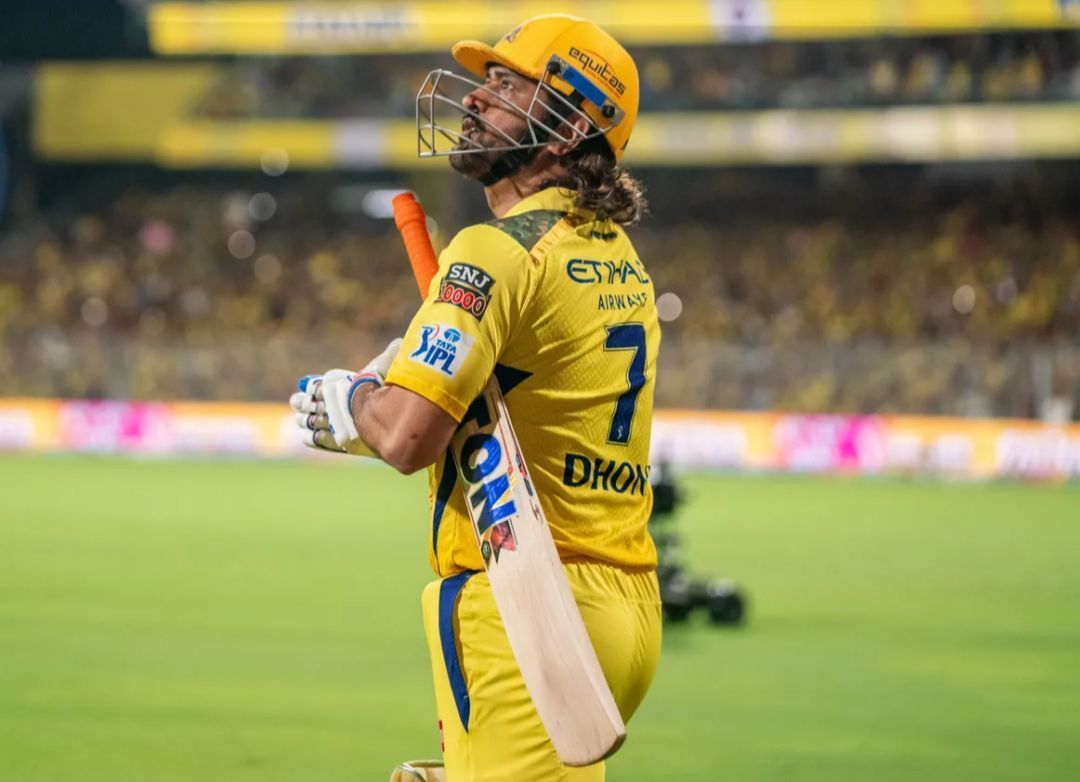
627,336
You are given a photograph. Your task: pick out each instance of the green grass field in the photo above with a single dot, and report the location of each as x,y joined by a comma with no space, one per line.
260,621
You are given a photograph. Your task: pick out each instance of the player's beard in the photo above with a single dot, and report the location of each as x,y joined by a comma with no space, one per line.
471,161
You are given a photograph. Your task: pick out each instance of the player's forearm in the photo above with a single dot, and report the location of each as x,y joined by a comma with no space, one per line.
371,421
405,430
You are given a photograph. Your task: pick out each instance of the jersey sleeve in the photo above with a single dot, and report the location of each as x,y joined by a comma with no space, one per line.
482,290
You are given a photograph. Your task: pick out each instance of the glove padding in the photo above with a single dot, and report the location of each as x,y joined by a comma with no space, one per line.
323,404
419,771
312,413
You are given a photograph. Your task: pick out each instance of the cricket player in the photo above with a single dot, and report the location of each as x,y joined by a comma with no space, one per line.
552,299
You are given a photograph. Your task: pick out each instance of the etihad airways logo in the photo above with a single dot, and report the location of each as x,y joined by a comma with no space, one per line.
593,62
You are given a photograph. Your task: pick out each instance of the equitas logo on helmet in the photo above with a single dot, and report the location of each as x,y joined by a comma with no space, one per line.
580,72
593,62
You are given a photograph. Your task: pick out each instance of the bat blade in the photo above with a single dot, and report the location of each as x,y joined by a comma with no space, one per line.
538,610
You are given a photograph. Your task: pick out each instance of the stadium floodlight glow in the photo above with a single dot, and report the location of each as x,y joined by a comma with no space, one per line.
378,204
541,116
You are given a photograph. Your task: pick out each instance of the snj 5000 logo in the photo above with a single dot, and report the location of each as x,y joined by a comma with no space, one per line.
467,287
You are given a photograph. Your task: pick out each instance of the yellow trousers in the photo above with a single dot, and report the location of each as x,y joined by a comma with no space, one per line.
491,731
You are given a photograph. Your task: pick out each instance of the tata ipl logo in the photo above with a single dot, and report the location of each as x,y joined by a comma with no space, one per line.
442,347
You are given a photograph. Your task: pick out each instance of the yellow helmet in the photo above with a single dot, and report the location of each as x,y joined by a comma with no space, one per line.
575,57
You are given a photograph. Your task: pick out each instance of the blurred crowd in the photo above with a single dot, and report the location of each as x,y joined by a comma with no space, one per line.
1023,66
1015,66
194,292
913,302
948,314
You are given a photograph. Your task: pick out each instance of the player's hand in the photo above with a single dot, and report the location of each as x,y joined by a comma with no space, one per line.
310,409
323,405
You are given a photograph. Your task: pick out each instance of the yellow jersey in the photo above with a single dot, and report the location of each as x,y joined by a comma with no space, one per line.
556,304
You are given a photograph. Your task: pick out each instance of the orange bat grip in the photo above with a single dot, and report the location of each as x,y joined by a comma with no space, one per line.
412,223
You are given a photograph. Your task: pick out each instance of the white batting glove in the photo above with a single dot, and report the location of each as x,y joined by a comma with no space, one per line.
310,410
323,405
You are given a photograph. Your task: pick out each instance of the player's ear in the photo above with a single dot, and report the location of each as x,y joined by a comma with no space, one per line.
576,130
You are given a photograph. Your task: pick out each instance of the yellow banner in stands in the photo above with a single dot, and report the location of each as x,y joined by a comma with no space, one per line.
87,111
143,112
306,144
849,18
899,134
918,134
323,28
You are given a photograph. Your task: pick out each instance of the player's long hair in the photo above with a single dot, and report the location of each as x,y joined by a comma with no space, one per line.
601,185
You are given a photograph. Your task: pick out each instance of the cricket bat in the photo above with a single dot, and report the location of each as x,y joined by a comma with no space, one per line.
542,621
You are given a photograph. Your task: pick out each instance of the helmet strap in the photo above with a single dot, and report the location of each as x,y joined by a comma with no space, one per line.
506,164
513,159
